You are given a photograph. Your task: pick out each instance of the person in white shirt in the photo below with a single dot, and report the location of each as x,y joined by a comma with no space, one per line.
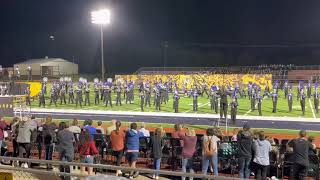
100,128
144,131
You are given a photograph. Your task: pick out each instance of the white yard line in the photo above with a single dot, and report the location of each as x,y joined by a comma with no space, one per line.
198,107
314,115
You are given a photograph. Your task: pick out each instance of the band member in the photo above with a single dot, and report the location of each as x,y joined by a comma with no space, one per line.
195,100
53,97
302,101
87,95
63,95
71,94
316,99
78,97
223,102
259,100
148,94
290,99
142,97
96,93
274,101
118,91
309,87
157,99
107,95
234,110
42,100
28,99
253,99
214,99
176,98
286,88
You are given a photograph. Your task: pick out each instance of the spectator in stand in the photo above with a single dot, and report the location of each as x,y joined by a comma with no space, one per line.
65,140
234,135
261,148
188,150
87,150
178,132
14,133
112,127
144,131
24,138
210,152
3,125
74,128
312,147
132,143
225,143
117,138
100,128
49,138
300,148
88,125
245,140
157,144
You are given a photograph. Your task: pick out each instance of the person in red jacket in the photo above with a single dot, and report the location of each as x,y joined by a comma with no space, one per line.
87,150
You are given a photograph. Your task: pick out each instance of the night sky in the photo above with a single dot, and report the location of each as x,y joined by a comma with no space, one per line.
198,32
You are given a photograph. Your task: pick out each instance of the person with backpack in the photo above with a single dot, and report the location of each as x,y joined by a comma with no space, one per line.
210,152
49,138
188,150
117,138
87,150
157,145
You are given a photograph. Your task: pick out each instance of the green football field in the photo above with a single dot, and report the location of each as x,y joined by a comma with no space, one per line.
185,105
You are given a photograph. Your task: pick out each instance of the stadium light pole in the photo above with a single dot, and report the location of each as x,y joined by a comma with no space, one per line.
102,18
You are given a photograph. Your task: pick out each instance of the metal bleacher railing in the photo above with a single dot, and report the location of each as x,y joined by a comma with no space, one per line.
31,173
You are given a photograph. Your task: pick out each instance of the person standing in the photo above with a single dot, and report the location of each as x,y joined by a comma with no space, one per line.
157,145
274,101
148,95
100,128
223,102
309,87
49,138
28,98
53,96
142,97
188,150
316,100
259,99
195,100
108,96
79,97
63,95
96,94
261,148
144,131
210,152
244,139
303,101
157,99
71,94
132,144
24,138
42,101
118,98
87,95
253,100
290,100
65,142
176,99
300,158
117,138
234,110
87,150
3,125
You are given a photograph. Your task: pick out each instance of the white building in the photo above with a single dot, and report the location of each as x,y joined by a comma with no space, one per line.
47,67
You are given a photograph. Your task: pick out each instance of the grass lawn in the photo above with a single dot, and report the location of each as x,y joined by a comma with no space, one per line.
185,105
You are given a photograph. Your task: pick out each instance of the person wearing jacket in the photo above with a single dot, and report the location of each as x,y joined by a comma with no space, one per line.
261,148
245,141
132,144
87,150
117,138
49,138
157,144
211,140
24,138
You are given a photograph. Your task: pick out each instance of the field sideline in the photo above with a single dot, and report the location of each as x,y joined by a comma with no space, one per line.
185,105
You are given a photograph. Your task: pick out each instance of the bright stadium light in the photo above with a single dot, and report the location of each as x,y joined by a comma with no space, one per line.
101,17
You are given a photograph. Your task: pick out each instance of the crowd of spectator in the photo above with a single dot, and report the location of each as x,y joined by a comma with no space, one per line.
251,156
